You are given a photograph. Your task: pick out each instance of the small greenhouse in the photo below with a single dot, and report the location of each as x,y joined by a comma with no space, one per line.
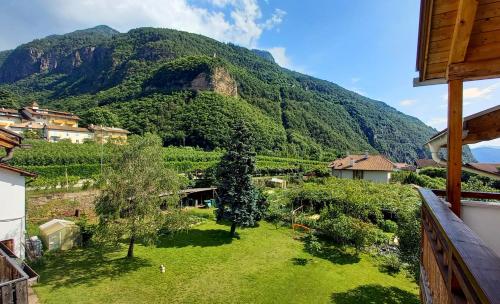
59,234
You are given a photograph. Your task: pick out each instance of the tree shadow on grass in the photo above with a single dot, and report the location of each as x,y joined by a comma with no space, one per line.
375,294
300,261
85,267
196,237
337,255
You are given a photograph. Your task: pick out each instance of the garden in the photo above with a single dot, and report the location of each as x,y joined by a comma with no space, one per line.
206,265
352,241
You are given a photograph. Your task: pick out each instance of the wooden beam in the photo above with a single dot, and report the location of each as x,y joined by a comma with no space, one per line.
463,28
475,70
454,146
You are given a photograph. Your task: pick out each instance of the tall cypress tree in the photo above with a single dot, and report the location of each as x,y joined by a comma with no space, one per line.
239,201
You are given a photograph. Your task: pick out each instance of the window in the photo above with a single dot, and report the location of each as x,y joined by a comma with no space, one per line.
357,174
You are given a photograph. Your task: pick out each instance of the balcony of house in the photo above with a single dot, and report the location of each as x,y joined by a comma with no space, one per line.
13,281
460,259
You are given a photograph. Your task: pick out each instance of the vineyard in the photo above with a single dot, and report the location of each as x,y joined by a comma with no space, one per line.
67,163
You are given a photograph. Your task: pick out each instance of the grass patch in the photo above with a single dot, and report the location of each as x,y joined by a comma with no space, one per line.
205,265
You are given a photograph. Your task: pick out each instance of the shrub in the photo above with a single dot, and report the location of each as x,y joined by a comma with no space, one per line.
86,231
390,263
312,245
389,226
348,230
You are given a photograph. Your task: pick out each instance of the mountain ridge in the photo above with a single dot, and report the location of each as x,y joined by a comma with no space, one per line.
289,113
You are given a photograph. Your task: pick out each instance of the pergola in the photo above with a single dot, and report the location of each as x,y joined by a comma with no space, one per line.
459,40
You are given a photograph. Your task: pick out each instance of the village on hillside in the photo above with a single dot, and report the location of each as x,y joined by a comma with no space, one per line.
54,126
240,210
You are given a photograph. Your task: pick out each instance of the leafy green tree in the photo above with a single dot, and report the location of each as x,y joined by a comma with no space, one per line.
129,204
239,201
100,116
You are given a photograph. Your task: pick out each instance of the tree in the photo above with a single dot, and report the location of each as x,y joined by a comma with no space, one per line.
100,116
129,204
239,201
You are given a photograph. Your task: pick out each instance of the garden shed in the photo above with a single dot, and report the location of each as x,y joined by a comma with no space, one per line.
59,234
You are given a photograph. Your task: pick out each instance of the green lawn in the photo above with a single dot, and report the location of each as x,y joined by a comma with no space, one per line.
205,266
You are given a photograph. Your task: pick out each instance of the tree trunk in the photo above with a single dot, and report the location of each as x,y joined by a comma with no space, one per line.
130,253
233,229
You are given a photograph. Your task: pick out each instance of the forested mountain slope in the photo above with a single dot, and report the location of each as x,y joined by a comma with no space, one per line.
190,89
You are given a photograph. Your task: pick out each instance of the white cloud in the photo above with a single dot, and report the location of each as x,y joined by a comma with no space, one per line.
280,56
244,24
480,93
407,102
437,122
355,79
490,143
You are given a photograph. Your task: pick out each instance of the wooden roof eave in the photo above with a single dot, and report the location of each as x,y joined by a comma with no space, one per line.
482,126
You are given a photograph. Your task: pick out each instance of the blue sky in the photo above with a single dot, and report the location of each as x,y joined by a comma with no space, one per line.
365,46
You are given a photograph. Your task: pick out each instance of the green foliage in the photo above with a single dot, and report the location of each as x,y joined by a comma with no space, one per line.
390,263
239,202
130,201
409,236
140,75
87,231
389,226
100,117
408,177
433,172
312,244
56,160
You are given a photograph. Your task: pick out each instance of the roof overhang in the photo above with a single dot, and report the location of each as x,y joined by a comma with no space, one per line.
482,126
458,39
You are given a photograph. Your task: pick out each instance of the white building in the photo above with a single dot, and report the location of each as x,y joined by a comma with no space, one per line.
9,117
375,168
12,202
74,134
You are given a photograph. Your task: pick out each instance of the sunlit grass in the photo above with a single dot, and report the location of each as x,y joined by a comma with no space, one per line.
266,265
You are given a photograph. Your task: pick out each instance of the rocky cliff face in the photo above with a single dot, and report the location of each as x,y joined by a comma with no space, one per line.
219,81
57,53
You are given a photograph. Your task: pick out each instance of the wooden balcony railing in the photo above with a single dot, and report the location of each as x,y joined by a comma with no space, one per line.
456,265
13,281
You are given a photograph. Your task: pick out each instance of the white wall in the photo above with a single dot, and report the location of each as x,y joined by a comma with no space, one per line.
374,176
12,206
342,173
75,137
377,176
484,219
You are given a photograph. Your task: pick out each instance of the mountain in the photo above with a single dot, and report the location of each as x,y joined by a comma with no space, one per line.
486,154
190,89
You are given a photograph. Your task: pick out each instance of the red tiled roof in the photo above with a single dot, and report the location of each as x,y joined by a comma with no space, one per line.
10,111
486,167
363,162
17,170
47,112
422,163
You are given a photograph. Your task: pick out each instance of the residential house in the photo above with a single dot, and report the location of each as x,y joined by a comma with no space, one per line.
74,134
57,125
106,134
425,163
375,168
49,117
9,117
12,191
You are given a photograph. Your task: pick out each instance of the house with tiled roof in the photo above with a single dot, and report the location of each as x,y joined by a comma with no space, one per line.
375,168
55,126
13,193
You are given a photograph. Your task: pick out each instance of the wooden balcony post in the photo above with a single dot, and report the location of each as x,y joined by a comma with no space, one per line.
454,146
